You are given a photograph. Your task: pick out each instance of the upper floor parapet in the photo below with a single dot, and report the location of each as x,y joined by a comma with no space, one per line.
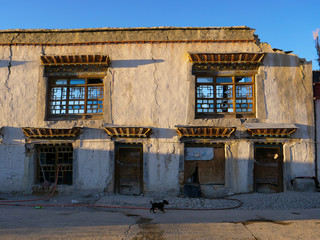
127,35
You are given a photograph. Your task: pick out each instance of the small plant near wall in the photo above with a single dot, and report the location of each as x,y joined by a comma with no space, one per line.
316,40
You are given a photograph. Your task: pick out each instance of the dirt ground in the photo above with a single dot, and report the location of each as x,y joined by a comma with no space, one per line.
86,222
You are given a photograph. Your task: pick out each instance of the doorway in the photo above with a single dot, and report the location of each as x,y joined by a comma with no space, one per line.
204,165
129,169
268,168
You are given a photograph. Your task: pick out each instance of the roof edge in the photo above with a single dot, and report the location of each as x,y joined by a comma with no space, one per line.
121,29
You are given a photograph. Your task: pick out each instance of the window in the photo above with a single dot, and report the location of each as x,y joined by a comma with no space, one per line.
220,96
49,157
75,98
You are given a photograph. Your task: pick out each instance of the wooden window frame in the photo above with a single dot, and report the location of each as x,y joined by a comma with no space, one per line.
234,84
62,155
66,107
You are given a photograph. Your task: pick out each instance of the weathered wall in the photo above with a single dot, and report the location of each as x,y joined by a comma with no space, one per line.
163,164
240,157
317,112
150,85
14,164
289,81
125,34
93,165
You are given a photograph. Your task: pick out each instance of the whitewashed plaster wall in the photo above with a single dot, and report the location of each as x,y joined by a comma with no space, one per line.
150,85
14,164
317,112
92,160
163,166
240,161
285,83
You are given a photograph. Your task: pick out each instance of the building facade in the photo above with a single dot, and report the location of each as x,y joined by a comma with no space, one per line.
145,110
316,89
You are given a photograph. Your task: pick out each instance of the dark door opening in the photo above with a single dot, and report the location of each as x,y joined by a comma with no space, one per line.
129,169
268,168
204,165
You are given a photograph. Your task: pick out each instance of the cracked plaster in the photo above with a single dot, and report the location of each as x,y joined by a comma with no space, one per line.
149,85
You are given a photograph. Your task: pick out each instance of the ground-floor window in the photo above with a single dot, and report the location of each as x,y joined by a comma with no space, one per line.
204,164
51,156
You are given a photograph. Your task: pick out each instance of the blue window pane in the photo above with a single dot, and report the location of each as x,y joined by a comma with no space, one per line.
224,80
77,81
205,105
243,79
205,91
61,81
204,80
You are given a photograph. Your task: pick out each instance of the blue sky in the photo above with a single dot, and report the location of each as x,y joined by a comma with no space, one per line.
285,24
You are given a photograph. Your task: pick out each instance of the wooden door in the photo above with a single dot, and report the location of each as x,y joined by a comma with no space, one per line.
204,164
268,168
128,169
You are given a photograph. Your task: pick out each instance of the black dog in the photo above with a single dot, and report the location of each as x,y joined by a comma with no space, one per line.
158,205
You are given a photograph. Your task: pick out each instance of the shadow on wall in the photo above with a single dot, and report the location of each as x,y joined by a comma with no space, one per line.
5,63
114,63
93,133
164,133
304,131
95,158
133,63
282,60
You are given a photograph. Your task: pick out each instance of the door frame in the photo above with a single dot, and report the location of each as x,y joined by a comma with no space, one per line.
205,145
118,146
280,164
